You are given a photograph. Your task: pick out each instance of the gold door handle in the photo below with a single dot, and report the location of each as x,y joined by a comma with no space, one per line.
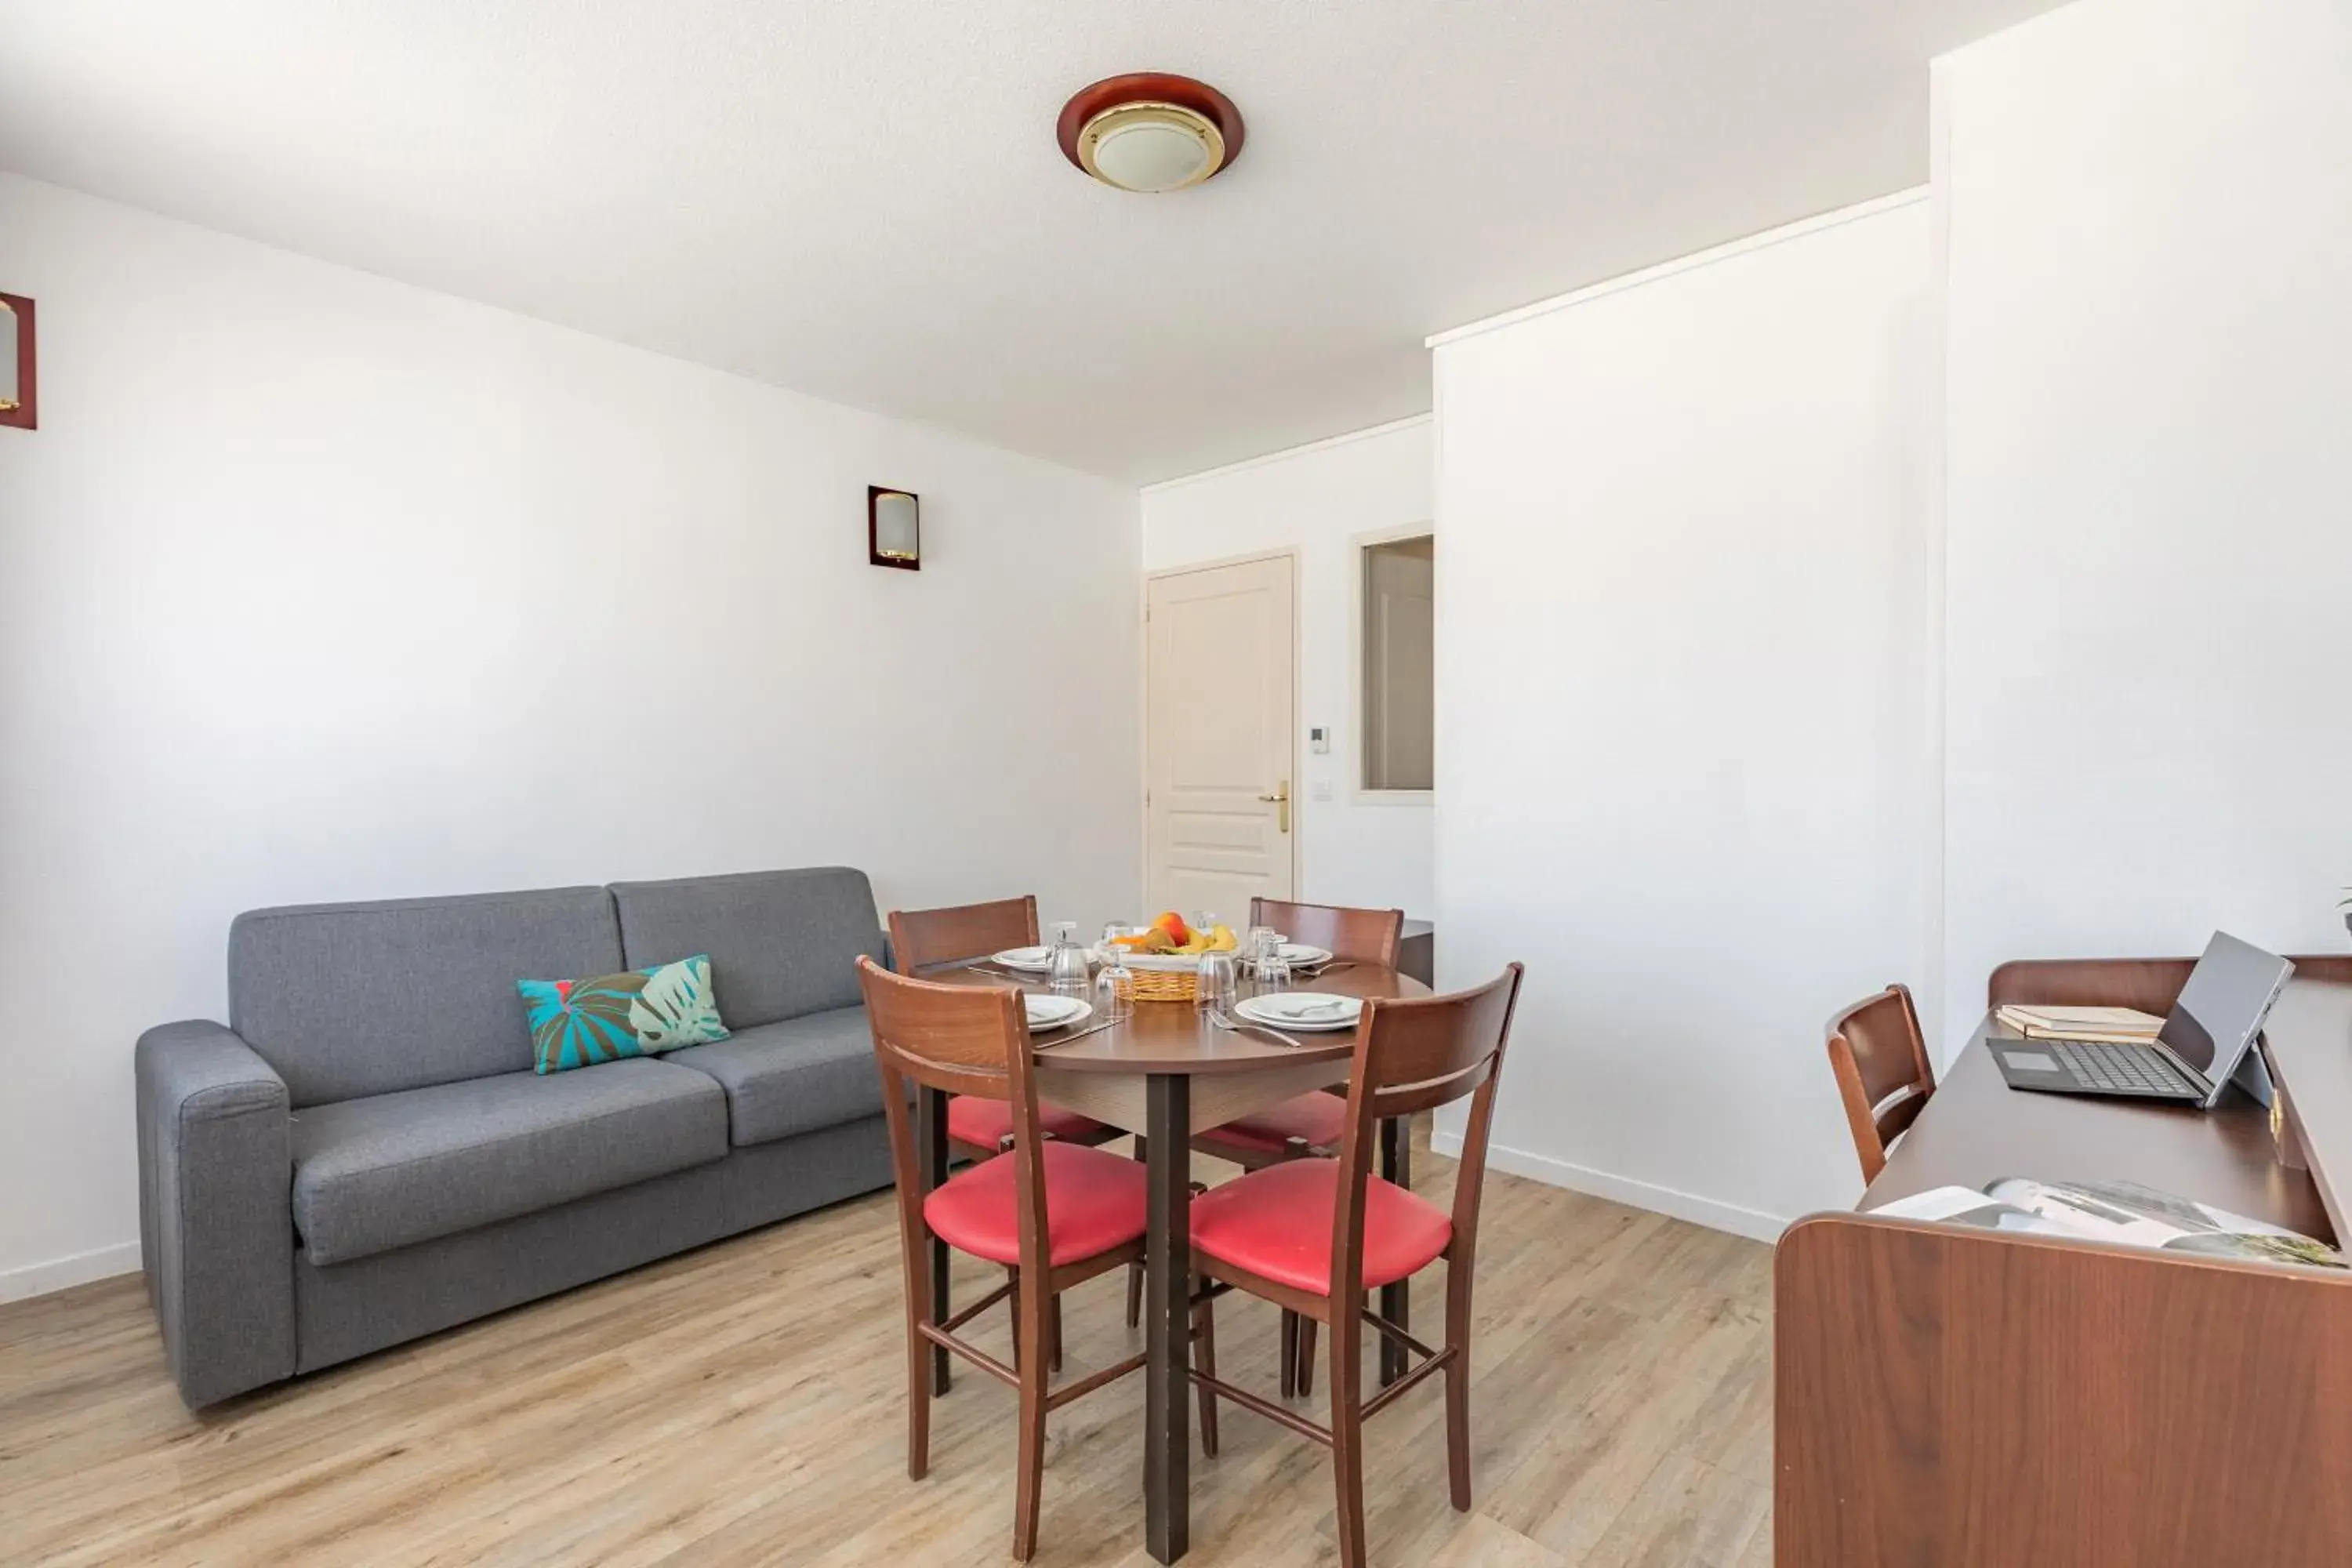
1280,801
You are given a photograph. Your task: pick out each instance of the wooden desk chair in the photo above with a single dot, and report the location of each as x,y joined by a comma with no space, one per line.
1054,1213
1883,1072
1314,1123
1312,1236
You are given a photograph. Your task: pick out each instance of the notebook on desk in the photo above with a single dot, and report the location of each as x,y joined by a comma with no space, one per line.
2193,1056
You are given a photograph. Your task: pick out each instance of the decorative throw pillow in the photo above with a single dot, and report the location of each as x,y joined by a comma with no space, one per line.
578,1022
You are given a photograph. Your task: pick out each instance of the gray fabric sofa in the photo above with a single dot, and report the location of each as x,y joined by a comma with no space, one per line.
363,1154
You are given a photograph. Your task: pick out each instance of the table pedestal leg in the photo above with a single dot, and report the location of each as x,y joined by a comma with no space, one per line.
1167,1315
931,1156
1396,1301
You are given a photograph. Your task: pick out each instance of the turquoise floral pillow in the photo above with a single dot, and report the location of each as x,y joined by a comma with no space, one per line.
578,1022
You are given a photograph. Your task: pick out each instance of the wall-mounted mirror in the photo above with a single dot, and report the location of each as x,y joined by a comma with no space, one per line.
16,402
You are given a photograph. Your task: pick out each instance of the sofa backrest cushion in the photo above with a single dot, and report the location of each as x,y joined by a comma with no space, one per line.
349,1000
781,943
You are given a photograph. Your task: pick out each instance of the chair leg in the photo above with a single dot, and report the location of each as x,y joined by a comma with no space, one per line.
1348,1433
1457,1383
1030,1330
1013,1305
1204,1356
1305,1355
1289,1353
1054,1334
1135,1272
918,1381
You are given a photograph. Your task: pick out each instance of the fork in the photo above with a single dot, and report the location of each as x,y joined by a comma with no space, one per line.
1222,1022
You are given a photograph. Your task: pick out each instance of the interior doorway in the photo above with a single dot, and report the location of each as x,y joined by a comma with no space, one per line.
1220,769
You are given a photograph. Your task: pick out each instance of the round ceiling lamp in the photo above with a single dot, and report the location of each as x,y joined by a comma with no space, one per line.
1151,132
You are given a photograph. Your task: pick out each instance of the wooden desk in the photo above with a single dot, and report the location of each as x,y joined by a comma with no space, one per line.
1947,1396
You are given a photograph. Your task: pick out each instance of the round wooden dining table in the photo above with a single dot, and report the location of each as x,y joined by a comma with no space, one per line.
1167,1073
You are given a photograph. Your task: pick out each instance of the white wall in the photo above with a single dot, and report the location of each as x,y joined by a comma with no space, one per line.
1320,500
318,586
1685,732
2149,206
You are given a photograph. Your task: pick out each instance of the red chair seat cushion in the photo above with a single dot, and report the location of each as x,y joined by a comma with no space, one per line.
1094,1202
1276,1224
1320,1118
982,1123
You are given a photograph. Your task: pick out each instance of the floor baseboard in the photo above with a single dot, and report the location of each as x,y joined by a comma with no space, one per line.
64,1273
1715,1214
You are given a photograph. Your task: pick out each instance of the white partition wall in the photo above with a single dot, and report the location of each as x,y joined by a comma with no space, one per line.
1686,724
317,586
2149,207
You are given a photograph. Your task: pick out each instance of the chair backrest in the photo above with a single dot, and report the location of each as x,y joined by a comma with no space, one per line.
1884,1076
1412,1055
962,1039
780,942
348,1001
921,937
1360,936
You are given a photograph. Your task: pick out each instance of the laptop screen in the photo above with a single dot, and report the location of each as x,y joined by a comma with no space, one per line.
2222,1009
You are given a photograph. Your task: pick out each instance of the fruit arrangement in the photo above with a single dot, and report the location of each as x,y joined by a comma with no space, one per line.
1170,937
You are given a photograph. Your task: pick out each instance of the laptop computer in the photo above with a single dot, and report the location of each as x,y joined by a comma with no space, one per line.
2192,1057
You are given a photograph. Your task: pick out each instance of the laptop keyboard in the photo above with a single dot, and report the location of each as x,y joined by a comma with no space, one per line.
2122,1068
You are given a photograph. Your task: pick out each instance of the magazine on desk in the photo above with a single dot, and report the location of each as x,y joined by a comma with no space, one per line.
2123,1213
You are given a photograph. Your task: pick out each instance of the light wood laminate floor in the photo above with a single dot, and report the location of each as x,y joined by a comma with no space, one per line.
743,1405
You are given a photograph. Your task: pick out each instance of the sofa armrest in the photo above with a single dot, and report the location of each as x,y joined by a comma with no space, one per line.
216,1200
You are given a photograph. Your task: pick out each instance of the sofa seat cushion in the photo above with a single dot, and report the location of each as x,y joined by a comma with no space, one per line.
799,1075
397,1169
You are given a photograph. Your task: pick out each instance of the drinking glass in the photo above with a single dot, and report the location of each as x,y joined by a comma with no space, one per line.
1218,981
1273,969
1114,987
1260,938
1066,966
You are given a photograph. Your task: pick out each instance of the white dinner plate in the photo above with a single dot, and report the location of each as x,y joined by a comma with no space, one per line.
1302,1010
1050,1012
1300,952
1028,960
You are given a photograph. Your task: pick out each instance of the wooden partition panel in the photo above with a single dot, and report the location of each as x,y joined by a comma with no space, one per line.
1950,1398
2150,984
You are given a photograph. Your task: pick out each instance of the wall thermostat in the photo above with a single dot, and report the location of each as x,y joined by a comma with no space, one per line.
1319,740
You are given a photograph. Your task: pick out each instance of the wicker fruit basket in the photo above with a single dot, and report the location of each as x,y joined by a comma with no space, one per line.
1162,977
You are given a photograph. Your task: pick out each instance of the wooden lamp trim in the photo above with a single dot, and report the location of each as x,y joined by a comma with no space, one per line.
1150,87
25,416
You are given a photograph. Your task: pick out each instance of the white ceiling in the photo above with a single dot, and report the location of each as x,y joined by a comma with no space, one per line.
863,198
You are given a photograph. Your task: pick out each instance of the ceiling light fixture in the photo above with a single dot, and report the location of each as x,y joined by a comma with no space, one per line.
1151,132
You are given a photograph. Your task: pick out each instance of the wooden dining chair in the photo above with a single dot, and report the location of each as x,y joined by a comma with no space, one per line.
1313,1235
978,1127
1310,1123
1356,936
1883,1072
1054,1213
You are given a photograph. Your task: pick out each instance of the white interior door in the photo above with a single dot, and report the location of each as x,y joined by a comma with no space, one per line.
1219,735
